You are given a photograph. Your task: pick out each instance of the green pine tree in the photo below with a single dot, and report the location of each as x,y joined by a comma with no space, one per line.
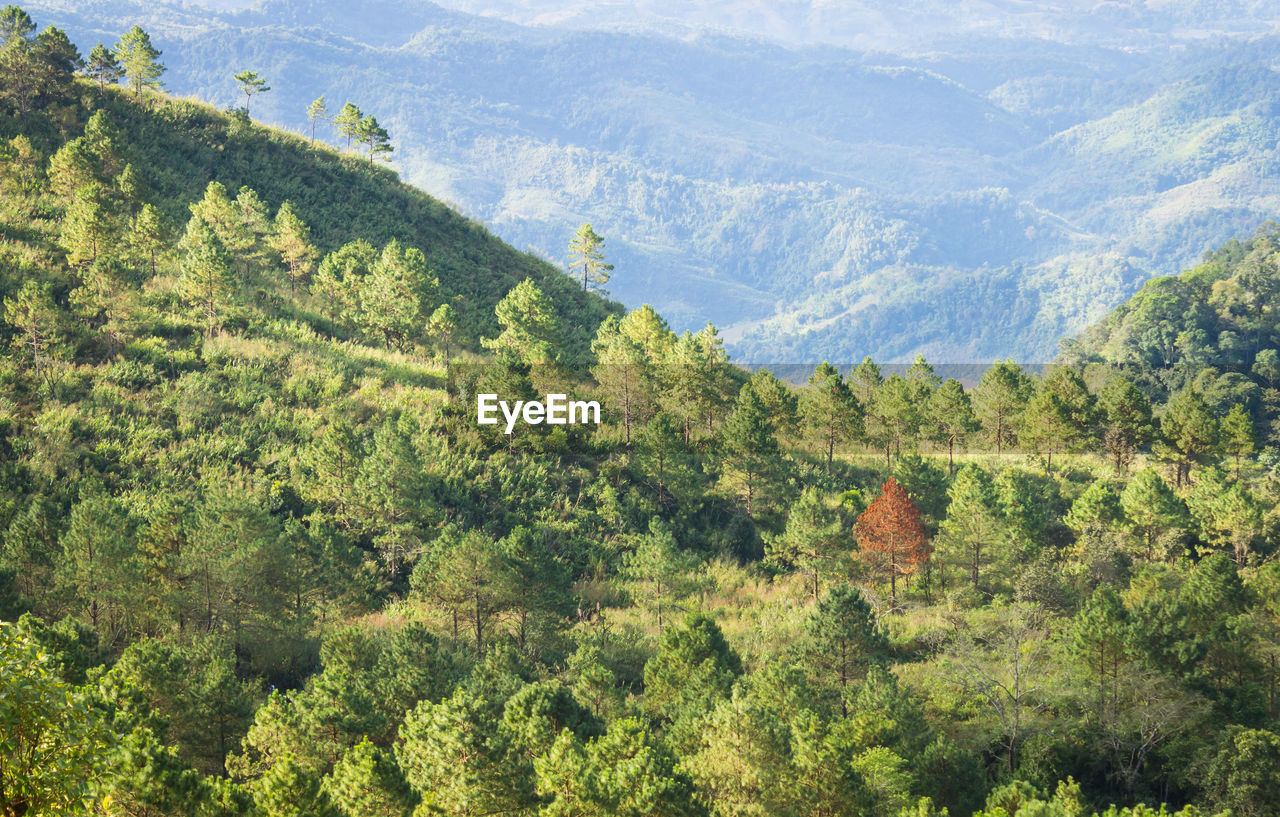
1151,509
814,542
317,112
1237,434
1128,423
844,639
347,121
457,756
1189,434
658,572
139,59
749,452
625,376
88,227
973,535
38,324
21,169
693,669
206,282
832,415
374,137
1098,508
586,253
530,327
103,67
1061,416
998,399
368,782
471,580
950,419
290,790
148,237
291,238
250,84
443,330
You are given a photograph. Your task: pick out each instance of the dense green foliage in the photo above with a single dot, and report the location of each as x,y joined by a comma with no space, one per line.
258,558
176,149
1212,328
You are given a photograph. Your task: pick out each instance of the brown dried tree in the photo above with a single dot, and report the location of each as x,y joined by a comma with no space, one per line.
891,539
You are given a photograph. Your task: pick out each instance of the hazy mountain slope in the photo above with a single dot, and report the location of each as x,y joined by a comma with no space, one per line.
1147,188
905,25
816,202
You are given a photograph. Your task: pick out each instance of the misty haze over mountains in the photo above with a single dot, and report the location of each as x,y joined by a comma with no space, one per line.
903,26
966,180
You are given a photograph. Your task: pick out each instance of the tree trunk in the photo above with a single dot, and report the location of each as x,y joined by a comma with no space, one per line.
626,404
208,600
844,680
1271,692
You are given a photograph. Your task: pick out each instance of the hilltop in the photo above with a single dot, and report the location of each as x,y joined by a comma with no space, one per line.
176,147
1211,328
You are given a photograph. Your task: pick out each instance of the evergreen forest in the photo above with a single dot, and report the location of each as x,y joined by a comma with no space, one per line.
257,557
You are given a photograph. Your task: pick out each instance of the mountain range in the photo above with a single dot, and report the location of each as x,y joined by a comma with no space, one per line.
822,181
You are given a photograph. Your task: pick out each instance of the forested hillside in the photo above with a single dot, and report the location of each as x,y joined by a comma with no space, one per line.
1212,328
175,149
257,557
967,180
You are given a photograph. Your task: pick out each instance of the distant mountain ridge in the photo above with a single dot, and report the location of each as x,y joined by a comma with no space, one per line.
978,200
917,24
